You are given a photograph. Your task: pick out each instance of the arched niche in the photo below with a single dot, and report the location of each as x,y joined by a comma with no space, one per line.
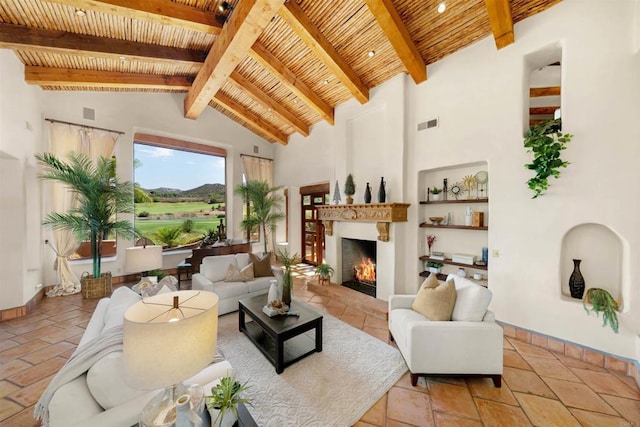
601,252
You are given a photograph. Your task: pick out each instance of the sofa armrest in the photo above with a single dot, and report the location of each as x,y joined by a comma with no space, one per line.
400,301
200,282
454,347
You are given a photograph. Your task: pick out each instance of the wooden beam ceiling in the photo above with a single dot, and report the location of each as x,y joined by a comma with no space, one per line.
501,21
158,11
62,42
247,22
391,24
265,58
261,97
89,78
322,48
535,92
534,111
255,121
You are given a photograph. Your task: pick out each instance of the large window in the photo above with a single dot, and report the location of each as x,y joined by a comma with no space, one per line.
180,191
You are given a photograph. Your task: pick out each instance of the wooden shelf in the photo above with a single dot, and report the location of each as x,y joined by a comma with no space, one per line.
449,262
443,277
458,227
444,202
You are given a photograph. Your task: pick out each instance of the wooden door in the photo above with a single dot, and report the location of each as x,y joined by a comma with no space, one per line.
312,228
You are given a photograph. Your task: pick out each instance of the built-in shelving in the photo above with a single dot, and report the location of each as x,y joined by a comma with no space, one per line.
459,227
450,262
444,202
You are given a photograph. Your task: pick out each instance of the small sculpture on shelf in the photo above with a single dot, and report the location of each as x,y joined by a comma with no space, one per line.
469,184
336,194
382,192
349,189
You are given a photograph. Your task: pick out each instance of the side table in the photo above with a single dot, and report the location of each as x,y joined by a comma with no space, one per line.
183,268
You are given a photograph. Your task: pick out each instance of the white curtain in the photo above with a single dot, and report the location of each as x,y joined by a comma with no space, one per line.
257,169
64,139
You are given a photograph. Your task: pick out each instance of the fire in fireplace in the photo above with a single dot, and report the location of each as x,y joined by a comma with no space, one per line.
359,265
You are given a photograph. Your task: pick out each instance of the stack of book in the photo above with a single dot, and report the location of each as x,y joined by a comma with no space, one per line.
437,255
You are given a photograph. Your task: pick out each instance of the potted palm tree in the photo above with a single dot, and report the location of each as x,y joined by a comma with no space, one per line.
100,198
264,201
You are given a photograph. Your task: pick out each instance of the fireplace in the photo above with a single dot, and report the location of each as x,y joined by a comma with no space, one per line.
359,265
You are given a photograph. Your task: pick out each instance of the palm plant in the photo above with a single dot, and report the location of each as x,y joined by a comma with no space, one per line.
168,235
264,201
100,198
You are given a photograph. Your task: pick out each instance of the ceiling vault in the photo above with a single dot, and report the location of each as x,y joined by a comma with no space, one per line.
390,22
501,22
324,50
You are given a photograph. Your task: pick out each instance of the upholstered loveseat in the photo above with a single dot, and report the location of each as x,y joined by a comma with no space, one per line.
100,397
214,277
468,344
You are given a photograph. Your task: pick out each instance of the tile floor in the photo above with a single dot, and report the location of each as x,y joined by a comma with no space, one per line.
539,387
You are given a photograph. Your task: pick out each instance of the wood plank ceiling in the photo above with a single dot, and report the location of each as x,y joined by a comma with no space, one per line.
274,66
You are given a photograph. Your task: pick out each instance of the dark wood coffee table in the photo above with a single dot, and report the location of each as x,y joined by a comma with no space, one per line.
282,339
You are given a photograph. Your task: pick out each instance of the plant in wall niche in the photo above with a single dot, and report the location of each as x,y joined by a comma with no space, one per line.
602,302
349,189
546,141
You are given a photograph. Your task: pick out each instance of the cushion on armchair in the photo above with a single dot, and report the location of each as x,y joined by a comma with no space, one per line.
435,301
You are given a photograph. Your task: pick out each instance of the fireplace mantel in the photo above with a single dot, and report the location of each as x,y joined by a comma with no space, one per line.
381,213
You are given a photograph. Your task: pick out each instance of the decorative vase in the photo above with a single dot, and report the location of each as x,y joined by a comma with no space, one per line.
382,193
225,421
576,281
287,287
367,194
275,291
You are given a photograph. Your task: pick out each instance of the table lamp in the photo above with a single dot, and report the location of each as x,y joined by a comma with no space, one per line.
142,259
168,338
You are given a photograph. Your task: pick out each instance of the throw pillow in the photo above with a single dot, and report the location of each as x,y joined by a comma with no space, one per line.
261,266
234,274
436,303
121,299
473,302
430,282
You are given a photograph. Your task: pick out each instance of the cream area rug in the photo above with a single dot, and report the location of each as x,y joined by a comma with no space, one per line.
332,388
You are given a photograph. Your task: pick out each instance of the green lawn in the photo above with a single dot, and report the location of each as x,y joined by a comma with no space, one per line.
161,208
200,226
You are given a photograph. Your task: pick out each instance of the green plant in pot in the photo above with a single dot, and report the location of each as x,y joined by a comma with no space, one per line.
101,197
264,210
324,272
288,261
602,302
546,141
435,192
349,189
434,267
224,400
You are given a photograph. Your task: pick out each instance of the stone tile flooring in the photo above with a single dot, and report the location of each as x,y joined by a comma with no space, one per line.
539,388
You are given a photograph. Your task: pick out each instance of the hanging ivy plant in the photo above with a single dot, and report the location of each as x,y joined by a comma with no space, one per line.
602,302
546,141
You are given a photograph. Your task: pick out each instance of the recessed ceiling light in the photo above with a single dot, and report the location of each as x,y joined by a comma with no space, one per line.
325,82
442,7
81,12
371,53
295,101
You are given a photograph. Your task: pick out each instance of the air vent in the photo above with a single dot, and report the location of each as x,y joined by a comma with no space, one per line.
428,124
88,113
256,149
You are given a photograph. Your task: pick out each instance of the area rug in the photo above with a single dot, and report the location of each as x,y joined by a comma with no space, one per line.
333,388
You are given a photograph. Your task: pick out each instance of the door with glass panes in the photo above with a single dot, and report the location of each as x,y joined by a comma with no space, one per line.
312,228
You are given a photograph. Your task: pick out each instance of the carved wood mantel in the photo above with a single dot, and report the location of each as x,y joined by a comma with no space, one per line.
381,213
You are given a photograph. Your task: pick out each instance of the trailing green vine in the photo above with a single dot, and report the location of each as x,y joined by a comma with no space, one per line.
546,141
602,302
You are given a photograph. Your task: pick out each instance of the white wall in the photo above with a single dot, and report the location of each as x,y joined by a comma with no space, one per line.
20,138
158,114
480,96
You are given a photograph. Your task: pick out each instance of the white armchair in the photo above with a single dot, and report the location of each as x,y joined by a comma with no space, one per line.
468,345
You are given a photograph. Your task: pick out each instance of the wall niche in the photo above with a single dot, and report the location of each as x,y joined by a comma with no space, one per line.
601,252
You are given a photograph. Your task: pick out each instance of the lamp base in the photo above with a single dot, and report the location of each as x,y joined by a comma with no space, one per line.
161,410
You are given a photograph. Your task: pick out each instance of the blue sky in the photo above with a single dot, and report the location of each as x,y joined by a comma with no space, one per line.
163,167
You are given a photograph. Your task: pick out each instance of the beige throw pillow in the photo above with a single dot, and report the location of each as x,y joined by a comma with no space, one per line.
261,266
435,303
234,274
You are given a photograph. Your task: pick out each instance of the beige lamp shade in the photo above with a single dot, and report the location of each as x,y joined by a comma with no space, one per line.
160,353
143,258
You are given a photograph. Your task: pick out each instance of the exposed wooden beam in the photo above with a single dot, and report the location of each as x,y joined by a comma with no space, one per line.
62,42
158,11
89,78
501,22
265,58
248,21
255,121
261,97
391,24
535,92
322,48
542,110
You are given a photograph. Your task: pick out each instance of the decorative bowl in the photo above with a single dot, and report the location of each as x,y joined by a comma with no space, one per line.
436,220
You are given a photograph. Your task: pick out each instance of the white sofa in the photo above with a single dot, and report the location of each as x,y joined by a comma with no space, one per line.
211,277
469,345
101,397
